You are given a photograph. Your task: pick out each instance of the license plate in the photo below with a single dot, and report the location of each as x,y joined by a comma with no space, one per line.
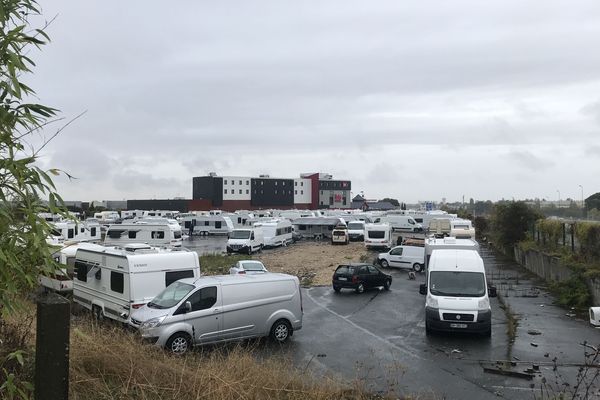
342,279
462,326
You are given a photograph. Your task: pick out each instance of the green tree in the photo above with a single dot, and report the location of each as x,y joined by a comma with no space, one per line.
510,222
593,202
392,201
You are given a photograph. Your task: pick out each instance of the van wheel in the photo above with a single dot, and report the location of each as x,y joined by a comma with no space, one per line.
179,343
418,267
428,330
360,288
387,284
281,331
98,313
384,264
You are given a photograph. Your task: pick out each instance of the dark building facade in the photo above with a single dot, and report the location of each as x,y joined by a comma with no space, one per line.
272,192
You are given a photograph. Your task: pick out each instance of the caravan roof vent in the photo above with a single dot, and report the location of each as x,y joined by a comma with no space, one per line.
450,240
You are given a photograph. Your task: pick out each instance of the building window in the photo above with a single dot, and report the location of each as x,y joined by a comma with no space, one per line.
282,183
247,182
240,191
330,200
248,191
321,193
261,191
254,191
225,191
295,183
275,183
344,200
275,191
301,183
289,192
262,183
295,192
302,192
225,182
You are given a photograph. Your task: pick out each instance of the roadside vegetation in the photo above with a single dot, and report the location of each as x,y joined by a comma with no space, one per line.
219,264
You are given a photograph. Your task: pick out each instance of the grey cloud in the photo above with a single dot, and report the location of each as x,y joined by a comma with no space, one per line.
592,110
528,160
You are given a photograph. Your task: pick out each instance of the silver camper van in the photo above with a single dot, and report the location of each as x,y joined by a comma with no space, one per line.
221,308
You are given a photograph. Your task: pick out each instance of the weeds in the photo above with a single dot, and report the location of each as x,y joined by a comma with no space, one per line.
512,323
219,264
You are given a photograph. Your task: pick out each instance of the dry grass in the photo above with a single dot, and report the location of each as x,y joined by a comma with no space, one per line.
113,364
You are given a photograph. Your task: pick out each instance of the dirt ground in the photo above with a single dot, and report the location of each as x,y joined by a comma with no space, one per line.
314,262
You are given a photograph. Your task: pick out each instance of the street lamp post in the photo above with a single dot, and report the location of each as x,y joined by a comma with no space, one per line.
582,203
558,191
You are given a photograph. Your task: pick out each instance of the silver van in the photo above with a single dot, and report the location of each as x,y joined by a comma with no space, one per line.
221,308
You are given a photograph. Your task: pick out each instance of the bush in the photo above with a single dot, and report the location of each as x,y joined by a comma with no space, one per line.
219,264
588,236
573,292
551,231
510,223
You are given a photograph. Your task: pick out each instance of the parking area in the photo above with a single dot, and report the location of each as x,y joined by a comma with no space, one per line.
378,338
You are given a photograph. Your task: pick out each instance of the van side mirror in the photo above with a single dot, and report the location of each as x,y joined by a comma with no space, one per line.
188,306
492,291
423,288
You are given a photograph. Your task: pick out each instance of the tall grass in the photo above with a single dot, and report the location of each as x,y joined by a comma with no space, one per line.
218,264
113,364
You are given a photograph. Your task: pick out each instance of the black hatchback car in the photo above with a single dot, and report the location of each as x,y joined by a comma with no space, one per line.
360,277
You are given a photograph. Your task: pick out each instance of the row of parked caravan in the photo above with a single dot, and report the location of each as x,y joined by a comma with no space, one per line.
162,293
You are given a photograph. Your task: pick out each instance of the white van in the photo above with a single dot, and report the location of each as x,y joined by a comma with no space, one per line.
403,257
432,244
246,240
404,223
356,230
457,293
276,232
222,308
378,236
107,217
111,282
462,229
155,233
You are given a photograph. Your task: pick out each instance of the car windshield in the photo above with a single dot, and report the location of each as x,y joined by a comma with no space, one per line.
171,295
355,226
253,266
455,283
239,235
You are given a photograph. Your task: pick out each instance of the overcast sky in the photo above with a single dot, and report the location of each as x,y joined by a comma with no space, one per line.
417,100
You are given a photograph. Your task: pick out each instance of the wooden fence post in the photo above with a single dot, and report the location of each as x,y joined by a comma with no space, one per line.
52,348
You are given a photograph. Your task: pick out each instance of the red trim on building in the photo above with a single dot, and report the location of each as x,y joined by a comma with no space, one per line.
200,205
314,197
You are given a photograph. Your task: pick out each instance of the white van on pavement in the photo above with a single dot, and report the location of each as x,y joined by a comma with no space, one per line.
356,230
403,257
221,308
404,223
457,293
432,244
246,240
111,282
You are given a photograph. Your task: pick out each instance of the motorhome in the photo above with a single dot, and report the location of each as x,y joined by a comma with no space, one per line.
432,244
404,223
114,281
107,217
132,214
245,240
457,293
80,231
403,257
277,232
356,230
378,236
222,308
155,233
207,224
316,227
462,229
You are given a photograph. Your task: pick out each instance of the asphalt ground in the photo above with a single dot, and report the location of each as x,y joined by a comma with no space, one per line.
377,339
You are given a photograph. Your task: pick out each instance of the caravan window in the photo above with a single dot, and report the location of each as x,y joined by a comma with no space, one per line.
376,234
115,234
158,234
132,234
93,231
81,269
204,298
172,276
186,224
177,234
116,282
71,233
206,223
218,224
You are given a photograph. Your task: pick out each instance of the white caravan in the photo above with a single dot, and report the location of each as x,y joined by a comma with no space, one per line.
404,257
61,280
107,217
155,233
80,231
160,213
440,226
404,223
131,214
457,293
462,229
378,236
276,232
207,224
432,244
113,282
222,308
245,240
